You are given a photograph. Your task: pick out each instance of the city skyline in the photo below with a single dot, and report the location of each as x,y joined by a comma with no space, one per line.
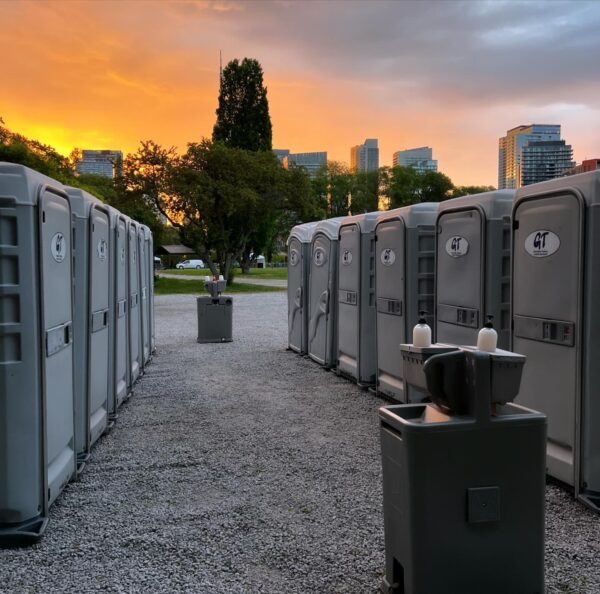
139,71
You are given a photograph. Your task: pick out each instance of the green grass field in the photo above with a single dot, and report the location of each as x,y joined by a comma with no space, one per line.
268,273
172,286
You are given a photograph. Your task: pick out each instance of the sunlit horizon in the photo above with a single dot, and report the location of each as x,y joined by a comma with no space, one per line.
336,73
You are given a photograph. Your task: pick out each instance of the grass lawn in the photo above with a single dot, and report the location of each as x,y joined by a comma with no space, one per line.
170,286
270,273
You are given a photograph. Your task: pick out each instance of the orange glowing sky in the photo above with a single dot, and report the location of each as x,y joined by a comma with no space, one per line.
451,75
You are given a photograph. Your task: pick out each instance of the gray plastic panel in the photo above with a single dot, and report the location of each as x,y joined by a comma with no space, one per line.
551,378
55,260
121,351
99,301
135,337
297,289
348,314
144,302
322,289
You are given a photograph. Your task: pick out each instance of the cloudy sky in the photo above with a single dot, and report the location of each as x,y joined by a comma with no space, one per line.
451,75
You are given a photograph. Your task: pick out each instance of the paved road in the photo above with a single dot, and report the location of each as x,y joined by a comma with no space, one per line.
240,278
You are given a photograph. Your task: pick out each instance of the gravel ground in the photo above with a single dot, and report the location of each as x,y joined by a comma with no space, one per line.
241,467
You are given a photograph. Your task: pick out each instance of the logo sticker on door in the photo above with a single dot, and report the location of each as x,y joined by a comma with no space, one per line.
294,257
102,250
319,257
457,246
388,257
542,243
58,247
347,258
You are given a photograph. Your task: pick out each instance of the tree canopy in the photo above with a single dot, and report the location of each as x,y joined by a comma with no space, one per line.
243,119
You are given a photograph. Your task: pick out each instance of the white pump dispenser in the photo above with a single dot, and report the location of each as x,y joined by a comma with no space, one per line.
487,339
422,332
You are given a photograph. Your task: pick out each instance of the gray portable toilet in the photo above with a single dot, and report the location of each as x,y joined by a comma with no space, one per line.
121,311
322,287
556,321
149,323
299,244
150,241
472,277
37,444
135,326
91,272
355,308
404,285
144,301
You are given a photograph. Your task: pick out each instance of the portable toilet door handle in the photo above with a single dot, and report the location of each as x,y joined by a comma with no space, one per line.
297,306
321,311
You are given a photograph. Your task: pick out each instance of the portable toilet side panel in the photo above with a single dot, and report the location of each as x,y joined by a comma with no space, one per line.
299,247
143,264
404,281
348,312
322,331
134,306
99,316
80,203
556,288
112,262
296,285
473,267
121,349
36,353
151,289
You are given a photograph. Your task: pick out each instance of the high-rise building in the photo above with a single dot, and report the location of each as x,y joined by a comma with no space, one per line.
543,160
511,146
311,162
100,162
281,153
365,157
420,158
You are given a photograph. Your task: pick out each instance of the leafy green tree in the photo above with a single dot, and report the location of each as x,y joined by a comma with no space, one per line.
408,186
332,187
243,119
467,190
365,192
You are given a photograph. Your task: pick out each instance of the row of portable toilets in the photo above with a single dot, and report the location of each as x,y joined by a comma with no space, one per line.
76,331
529,258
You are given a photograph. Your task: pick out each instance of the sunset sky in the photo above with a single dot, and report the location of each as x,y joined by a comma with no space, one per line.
451,75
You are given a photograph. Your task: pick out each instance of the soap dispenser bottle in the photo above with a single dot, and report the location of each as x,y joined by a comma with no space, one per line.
422,332
487,339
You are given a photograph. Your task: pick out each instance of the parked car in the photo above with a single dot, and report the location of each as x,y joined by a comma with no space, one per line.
197,264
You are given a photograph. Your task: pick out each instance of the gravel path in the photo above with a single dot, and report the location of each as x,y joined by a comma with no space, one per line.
239,279
242,468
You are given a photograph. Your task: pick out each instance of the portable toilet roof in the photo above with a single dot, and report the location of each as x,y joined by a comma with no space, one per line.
303,232
23,184
587,184
412,214
495,204
366,221
330,227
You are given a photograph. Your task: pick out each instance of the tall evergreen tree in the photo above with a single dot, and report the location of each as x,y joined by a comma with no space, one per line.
243,119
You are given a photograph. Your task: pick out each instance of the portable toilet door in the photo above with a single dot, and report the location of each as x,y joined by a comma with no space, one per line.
472,277
355,308
113,216
149,324
91,319
144,318
321,288
299,243
135,343
121,311
36,351
151,289
404,286
556,292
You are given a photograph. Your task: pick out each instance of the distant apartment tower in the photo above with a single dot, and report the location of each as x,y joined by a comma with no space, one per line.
421,159
585,166
100,162
365,157
511,146
311,162
543,160
281,154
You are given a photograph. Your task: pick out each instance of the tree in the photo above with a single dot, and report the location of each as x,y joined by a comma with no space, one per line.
332,187
243,119
365,192
408,186
467,190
